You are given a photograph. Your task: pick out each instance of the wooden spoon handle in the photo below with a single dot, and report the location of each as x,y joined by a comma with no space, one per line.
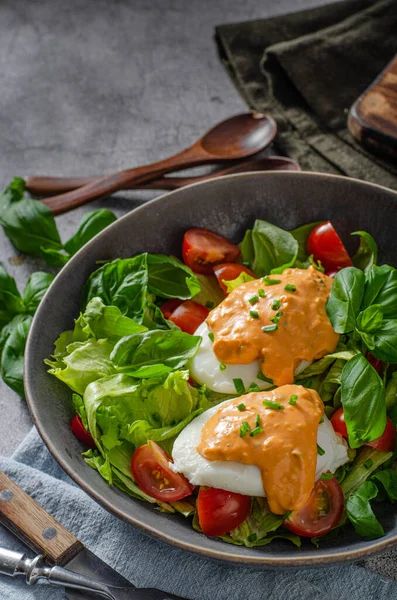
109,184
33,525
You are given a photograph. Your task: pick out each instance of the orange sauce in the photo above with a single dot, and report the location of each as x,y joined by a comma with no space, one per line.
285,450
303,332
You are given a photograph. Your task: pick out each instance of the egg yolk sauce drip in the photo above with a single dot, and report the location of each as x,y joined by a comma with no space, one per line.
275,431
280,320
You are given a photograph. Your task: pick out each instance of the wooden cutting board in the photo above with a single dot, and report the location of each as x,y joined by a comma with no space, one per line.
372,119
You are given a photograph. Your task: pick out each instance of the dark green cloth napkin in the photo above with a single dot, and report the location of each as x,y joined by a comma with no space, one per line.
306,69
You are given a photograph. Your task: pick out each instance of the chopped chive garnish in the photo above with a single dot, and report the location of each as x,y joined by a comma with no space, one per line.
326,476
263,377
244,429
241,406
261,293
290,287
276,304
273,404
253,387
269,328
320,451
222,366
252,538
258,420
253,300
293,400
211,336
239,385
287,514
321,420
277,317
268,281
254,314
210,304
256,431
368,463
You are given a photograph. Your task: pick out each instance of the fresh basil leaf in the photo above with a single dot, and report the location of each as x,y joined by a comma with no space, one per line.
345,298
301,235
169,278
391,392
367,253
29,224
235,283
363,400
360,513
91,224
12,356
388,480
210,294
274,249
37,285
54,258
381,288
11,302
172,348
385,341
370,318
368,339
247,249
320,366
104,322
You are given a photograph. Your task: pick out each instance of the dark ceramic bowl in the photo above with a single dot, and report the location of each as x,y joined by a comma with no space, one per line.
229,206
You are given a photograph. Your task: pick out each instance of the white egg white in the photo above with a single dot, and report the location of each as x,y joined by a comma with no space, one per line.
205,368
237,477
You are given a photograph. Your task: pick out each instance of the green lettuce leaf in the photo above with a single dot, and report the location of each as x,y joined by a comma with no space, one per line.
101,321
235,283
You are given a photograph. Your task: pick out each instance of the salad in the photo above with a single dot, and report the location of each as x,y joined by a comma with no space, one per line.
251,388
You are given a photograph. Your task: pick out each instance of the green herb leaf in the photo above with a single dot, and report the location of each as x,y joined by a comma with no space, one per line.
385,341
388,482
344,302
273,405
171,348
268,248
12,356
269,328
290,288
239,385
367,253
301,235
360,513
363,399
37,285
11,302
370,318
381,288
91,224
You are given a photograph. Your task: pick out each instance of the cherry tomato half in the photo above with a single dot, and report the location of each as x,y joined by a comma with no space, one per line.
189,315
385,443
321,513
169,306
228,272
338,422
326,246
203,249
150,469
331,273
220,511
78,429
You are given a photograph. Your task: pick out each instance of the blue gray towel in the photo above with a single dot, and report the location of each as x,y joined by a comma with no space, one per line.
150,563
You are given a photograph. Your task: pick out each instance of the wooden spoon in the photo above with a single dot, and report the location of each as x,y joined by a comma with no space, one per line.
48,186
236,138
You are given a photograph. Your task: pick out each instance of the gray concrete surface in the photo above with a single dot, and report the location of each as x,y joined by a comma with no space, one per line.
91,86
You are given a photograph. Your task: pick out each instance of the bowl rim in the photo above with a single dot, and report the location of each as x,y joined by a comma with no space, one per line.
322,557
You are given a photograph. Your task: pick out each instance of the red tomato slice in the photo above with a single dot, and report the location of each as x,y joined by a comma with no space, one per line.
326,246
203,249
150,469
375,362
228,272
169,306
220,511
189,315
321,513
78,429
387,441
338,422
